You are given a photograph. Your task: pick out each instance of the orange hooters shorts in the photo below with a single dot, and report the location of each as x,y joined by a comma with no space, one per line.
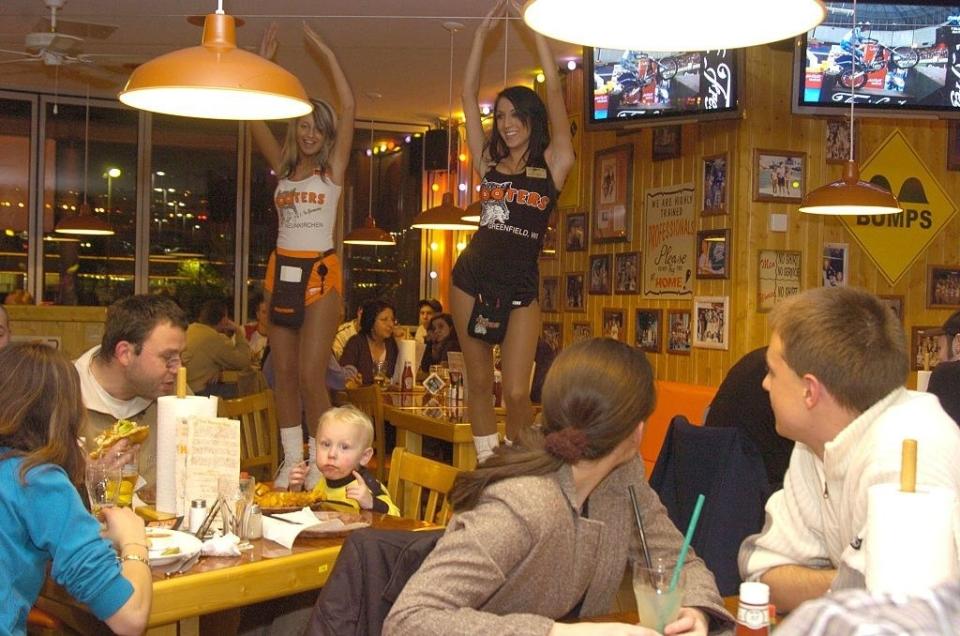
321,280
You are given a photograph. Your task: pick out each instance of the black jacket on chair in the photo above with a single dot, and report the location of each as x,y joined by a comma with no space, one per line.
722,464
371,570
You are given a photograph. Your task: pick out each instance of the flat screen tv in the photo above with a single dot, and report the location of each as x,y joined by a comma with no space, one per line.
900,59
633,88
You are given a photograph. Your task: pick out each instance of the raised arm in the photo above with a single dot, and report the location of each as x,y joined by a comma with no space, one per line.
266,143
471,89
347,106
559,154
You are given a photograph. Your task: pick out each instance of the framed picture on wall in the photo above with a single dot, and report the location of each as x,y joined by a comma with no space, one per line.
550,294
552,334
924,347
778,274
895,304
779,175
715,180
614,325
575,232
713,261
943,286
573,292
647,329
582,331
666,142
626,273
613,194
600,274
711,315
838,140
678,331
836,267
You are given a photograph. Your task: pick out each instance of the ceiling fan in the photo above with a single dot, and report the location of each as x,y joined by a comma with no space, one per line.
56,48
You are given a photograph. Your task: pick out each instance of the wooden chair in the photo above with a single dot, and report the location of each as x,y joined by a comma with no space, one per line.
370,400
259,432
410,475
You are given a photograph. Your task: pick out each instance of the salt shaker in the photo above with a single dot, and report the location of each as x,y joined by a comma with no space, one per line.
198,512
254,522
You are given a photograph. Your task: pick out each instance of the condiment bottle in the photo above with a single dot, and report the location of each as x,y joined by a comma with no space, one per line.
497,388
198,512
753,612
406,380
254,522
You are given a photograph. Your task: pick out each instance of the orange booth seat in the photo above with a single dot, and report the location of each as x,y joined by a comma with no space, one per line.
673,398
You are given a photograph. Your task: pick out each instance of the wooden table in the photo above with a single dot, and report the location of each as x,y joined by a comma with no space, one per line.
447,423
219,583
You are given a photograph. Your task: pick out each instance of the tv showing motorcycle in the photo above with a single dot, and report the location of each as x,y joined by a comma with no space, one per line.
890,55
637,85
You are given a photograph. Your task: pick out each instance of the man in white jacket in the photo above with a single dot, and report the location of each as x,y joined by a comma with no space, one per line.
837,362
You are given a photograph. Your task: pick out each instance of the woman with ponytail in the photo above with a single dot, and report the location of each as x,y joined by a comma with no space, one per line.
544,529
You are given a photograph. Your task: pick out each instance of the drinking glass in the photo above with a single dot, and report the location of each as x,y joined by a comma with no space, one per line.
379,373
102,488
129,475
244,499
657,605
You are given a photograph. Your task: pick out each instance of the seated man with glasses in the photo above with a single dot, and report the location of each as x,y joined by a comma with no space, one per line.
122,378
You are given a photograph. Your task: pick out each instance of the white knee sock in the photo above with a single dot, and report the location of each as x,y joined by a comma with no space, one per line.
292,441
313,474
485,445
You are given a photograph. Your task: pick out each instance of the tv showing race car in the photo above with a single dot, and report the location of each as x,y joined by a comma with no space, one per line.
901,58
625,88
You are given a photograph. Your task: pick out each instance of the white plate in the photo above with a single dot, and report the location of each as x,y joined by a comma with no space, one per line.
161,539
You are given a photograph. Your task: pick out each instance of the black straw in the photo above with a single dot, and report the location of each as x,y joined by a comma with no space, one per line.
643,536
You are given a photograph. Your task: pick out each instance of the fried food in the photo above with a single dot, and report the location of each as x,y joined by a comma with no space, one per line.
122,429
284,499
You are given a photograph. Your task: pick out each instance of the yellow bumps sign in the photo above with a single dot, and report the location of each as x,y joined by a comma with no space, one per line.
894,241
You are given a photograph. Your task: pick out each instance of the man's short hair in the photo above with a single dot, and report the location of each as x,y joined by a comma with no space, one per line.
950,328
132,319
352,416
212,312
432,303
848,339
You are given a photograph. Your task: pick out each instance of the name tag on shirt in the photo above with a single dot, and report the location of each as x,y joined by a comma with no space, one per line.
290,274
536,173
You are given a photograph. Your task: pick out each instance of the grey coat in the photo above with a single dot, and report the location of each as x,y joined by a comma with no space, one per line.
524,557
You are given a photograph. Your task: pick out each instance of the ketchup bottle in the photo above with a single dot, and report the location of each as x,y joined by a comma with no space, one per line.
753,612
406,380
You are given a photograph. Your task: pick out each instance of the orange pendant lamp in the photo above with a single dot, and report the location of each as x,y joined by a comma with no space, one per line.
84,223
216,80
849,195
445,216
369,233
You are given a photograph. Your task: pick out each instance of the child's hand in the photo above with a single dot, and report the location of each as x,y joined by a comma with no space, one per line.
358,490
298,474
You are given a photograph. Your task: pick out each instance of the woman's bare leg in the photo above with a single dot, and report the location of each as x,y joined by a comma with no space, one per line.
516,362
284,351
316,347
478,358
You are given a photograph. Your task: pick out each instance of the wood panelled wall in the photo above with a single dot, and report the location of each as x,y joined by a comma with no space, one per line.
767,123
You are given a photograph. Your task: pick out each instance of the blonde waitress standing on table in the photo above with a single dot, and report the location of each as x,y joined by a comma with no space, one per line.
304,284
496,278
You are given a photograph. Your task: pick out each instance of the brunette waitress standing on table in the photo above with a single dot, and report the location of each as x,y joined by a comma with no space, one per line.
303,282
496,279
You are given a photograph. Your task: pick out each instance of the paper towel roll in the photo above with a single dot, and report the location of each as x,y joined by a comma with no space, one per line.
910,545
170,408
406,352
923,379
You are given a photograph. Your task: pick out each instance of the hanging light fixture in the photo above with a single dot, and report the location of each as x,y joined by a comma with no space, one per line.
446,216
472,213
849,195
679,25
369,233
216,80
84,223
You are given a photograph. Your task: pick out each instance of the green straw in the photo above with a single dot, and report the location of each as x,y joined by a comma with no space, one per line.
694,518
